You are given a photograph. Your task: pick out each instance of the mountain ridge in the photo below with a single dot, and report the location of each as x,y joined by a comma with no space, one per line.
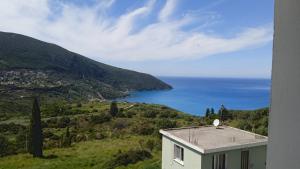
28,64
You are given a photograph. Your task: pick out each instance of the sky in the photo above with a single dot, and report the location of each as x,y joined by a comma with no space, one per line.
207,38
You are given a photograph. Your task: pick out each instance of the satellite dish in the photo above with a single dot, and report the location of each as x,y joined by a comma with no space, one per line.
216,122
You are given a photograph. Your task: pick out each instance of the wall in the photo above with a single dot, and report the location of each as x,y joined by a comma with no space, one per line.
196,160
192,159
257,158
284,123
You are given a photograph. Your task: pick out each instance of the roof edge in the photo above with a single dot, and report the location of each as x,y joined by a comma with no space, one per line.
165,132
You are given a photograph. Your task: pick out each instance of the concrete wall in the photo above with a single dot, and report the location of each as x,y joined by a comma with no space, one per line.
196,160
192,159
284,122
257,158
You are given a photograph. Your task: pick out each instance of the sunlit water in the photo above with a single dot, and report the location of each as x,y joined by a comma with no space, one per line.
194,95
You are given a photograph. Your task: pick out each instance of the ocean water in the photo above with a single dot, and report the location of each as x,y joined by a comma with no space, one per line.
194,95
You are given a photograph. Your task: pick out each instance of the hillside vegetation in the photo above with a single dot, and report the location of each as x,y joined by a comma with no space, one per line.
29,66
86,135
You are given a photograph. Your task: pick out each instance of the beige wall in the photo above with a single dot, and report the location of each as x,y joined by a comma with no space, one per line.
196,160
284,121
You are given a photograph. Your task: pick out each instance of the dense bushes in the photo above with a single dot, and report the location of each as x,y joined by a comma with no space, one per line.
255,121
143,128
168,114
127,157
62,109
149,114
101,118
120,124
11,128
6,147
166,123
54,122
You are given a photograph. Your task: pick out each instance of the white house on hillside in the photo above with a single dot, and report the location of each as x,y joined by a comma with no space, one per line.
212,148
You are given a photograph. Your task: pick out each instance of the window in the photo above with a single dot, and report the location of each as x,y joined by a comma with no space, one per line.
245,160
219,161
178,153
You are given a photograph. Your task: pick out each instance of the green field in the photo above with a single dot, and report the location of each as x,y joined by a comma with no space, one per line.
84,155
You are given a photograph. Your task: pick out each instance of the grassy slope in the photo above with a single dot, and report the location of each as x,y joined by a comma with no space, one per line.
95,153
85,155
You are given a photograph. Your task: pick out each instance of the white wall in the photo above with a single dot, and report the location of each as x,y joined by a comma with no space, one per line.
257,158
192,159
196,160
284,122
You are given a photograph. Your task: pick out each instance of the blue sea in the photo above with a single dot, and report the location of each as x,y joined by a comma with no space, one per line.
194,95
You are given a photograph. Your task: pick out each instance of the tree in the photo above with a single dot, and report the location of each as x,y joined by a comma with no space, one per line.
212,111
36,144
207,113
67,139
113,109
224,114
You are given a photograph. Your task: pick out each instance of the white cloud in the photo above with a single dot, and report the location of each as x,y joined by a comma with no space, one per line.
167,10
91,32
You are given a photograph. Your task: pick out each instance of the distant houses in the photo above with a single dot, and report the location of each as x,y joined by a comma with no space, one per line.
212,148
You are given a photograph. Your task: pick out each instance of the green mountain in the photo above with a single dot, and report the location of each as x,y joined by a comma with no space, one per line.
28,66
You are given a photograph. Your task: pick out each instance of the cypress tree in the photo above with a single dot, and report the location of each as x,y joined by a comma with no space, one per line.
224,113
36,141
207,113
67,138
113,109
212,111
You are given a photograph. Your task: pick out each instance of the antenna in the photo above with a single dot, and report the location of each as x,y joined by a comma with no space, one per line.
216,123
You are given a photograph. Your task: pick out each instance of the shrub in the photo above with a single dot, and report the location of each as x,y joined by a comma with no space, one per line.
81,137
98,119
129,114
52,122
128,157
143,129
149,114
113,109
120,114
100,136
164,114
150,144
120,124
21,141
67,139
166,123
78,105
168,114
6,147
63,122
11,128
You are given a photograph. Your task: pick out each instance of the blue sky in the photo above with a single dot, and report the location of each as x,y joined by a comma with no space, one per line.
212,38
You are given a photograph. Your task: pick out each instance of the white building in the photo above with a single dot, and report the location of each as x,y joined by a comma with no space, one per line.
212,148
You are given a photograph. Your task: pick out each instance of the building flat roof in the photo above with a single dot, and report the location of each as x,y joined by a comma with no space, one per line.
210,139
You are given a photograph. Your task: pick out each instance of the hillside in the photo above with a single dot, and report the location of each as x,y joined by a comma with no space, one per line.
99,140
30,66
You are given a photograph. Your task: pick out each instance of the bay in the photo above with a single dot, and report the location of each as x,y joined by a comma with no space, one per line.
194,95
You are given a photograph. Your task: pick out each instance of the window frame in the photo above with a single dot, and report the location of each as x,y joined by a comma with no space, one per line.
216,159
178,155
245,155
